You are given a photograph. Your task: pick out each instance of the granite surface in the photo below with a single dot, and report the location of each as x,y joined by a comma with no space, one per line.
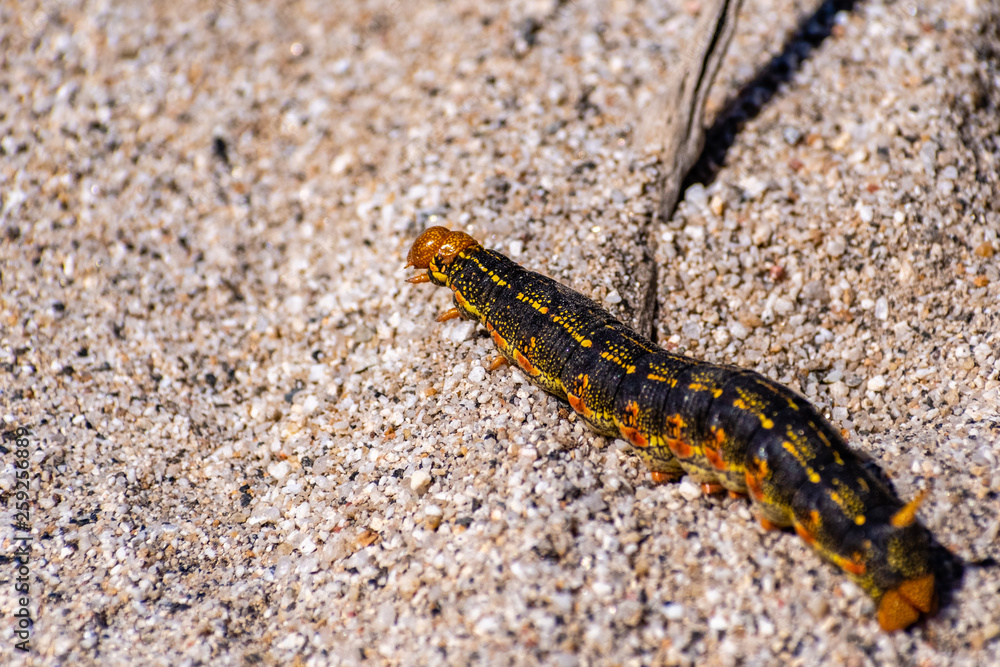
249,442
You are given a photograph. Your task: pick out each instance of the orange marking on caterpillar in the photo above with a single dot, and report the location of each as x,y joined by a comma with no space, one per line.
634,436
681,449
631,415
525,364
753,481
854,565
579,405
804,534
499,340
711,488
676,424
715,458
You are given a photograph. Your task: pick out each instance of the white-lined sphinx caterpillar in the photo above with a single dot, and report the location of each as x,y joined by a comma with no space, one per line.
727,427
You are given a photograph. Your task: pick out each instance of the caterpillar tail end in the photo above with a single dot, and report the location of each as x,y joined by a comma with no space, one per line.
902,606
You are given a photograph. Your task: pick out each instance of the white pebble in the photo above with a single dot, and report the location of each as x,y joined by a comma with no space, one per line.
753,187
461,332
613,297
278,470
689,491
477,374
673,611
695,233
882,308
836,246
696,196
420,481
876,383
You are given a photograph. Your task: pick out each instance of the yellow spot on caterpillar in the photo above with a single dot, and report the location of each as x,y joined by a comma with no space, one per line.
586,342
794,451
837,458
629,370
814,477
739,404
859,520
765,422
543,310
717,393
846,498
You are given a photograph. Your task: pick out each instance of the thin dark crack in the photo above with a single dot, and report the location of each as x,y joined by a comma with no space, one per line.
650,309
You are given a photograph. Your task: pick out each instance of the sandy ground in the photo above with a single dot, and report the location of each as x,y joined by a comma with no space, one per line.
249,442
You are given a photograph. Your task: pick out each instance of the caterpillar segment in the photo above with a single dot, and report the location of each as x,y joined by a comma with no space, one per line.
727,428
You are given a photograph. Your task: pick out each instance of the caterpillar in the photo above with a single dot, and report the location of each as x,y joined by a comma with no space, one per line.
726,427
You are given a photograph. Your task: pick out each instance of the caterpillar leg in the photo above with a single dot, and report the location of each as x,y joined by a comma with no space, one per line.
449,314
498,362
664,477
767,524
711,488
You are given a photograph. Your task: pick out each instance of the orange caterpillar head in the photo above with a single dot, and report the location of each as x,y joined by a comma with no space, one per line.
438,247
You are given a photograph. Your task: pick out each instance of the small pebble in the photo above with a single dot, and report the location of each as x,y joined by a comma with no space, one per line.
420,481
689,491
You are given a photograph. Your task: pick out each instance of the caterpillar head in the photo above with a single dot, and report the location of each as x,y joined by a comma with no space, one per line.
437,248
